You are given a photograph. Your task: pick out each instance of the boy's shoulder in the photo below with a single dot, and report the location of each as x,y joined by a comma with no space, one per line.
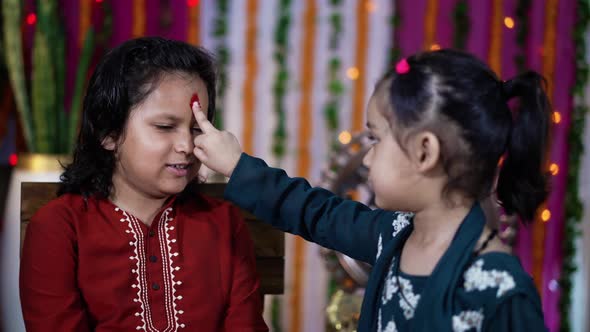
60,213
64,204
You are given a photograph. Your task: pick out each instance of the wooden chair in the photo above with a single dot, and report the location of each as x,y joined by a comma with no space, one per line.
268,242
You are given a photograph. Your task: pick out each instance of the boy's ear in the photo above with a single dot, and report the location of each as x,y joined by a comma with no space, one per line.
109,143
426,150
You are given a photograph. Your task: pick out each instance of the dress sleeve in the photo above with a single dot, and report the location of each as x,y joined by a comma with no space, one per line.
50,297
315,214
244,313
517,313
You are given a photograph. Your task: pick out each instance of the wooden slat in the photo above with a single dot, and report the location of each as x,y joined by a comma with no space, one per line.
268,242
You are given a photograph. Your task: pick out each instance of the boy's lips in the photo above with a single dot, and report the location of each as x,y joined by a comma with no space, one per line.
179,169
180,165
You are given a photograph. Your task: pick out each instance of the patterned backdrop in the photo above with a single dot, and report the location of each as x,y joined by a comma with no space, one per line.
296,76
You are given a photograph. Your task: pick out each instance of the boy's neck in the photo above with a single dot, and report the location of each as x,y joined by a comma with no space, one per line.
140,206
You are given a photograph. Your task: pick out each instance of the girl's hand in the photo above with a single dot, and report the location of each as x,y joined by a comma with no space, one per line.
218,150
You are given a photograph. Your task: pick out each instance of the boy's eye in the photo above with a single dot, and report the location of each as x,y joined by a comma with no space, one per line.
197,130
164,127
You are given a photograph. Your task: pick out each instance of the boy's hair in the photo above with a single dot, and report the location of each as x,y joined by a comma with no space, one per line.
123,79
462,101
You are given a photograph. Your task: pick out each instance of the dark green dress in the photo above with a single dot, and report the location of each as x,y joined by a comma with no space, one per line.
490,292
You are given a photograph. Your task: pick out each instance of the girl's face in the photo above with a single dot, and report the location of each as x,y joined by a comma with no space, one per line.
391,172
155,153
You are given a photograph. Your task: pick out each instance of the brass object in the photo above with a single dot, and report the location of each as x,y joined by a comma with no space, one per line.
344,311
40,162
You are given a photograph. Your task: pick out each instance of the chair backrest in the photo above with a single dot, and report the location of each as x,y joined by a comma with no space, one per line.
268,242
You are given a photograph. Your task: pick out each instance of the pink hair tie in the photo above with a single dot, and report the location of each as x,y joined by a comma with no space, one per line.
402,67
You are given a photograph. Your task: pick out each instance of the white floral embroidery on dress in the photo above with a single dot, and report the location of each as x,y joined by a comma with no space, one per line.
467,320
392,287
379,247
139,256
390,327
478,279
409,296
402,219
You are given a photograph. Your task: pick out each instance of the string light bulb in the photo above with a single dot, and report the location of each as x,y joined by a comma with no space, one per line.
545,215
31,19
509,22
344,137
554,169
352,73
13,159
371,6
556,117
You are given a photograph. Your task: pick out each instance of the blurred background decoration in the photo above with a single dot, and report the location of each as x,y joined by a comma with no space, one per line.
38,77
295,77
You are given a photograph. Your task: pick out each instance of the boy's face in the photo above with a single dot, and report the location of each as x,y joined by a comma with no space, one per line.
155,153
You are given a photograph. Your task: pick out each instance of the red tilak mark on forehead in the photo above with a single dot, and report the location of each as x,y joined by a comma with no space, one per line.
195,99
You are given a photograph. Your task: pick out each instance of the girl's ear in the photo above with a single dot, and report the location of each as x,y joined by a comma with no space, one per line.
426,150
109,143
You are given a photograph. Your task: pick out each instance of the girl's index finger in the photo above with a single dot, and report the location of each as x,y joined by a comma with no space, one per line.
202,121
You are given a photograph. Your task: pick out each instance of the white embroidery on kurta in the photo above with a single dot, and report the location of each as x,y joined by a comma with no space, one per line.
478,279
467,320
379,247
400,222
140,271
392,285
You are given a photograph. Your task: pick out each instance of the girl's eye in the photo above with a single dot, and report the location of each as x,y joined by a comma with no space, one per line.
197,131
371,139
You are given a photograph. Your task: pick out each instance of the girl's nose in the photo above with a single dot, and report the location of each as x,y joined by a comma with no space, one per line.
367,158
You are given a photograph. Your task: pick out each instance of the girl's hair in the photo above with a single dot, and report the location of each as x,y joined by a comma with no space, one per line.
123,79
462,101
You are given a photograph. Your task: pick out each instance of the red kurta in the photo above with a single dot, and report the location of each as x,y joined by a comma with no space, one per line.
95,267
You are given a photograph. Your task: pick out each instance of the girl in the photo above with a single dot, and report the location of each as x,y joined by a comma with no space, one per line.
440,123
124,248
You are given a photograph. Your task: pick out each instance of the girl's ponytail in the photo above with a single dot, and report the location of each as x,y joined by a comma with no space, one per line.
522,183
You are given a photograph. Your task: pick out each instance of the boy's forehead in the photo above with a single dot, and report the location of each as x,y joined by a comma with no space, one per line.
171,99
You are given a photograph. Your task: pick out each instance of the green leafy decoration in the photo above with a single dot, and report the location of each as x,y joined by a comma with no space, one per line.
220,32
335,86
279,89
573,204
461,24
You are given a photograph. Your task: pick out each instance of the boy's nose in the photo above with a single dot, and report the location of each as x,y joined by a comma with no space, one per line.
184,143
